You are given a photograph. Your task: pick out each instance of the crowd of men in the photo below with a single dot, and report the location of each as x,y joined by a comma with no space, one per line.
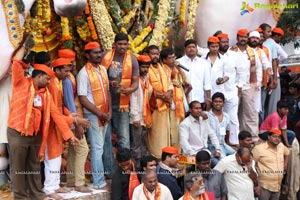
221,104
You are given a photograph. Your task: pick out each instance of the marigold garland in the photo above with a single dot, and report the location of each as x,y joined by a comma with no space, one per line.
182,10
102,23
160,23
191,19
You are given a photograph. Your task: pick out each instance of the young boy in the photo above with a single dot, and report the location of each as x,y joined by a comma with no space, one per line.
278,120
140,114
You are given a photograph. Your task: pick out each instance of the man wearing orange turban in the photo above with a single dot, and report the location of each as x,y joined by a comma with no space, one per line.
93,93
123,73
218,74
54,146
271,158
76,155
31,109
165,170
140,114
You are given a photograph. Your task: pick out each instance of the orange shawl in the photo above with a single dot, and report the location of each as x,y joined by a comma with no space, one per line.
146,106
133,181
177,92
99,88
159,81
126,75
157,192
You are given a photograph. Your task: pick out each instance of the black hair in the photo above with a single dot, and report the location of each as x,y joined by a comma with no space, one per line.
151,47
164,156
217,33
123,154
190,41
121,36
59,68
218,95
202,155
242,150
146,159
37,72
264,26
42,58
30,57
282,104
191,105
294,85
275,34
244,134
165,53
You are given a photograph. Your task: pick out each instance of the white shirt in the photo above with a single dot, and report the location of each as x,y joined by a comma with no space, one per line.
138,193
84,86
193,135
137,104
233,69
199,76
217,71
240,186
282,55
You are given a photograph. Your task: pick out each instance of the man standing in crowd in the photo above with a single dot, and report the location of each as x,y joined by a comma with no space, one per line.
140,114
123,73
177,111
275,84
217,74
151,188
198,74
271,159
195,189
76,155
93,92
166,169
29,119
219,123
160,102
232,87
214,181
247,114
236,169
194,132
148,162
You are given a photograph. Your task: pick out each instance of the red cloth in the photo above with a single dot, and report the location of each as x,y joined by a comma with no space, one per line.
242,32
91,45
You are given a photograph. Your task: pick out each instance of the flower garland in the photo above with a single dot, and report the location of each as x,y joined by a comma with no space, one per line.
82,28
182,10
90,22
158,31
64,22
139,39
102,23
191,19
115,12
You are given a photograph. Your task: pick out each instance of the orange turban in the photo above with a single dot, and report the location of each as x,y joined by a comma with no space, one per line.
144,60
213,39
66,53
170,150
60,62
222,35
259,30
44,68
242,32
275,131
91,45
278,30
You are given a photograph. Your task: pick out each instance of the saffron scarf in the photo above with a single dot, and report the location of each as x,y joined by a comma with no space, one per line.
147,116
187,196
133,181
157,192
